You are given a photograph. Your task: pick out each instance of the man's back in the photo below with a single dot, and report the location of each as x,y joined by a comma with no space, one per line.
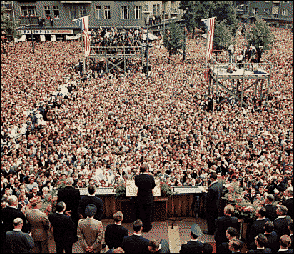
135,244
8,214
39,224
281,225
63,227
192,247
114,235
256,228
271,212
86,200
222,224
18,242
145,185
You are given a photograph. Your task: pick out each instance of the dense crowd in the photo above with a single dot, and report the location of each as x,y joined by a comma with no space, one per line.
100,131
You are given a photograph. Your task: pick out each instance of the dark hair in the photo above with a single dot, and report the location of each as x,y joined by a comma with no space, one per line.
236,244
91,189
262,240
143,168
270,197
269,226
213,175
194,236
59,207
262,211
153,244
137,225
207,248
232,231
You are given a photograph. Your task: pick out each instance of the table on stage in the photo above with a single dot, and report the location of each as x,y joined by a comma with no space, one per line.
185,202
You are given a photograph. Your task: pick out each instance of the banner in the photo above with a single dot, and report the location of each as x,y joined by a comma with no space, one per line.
83,23
210,31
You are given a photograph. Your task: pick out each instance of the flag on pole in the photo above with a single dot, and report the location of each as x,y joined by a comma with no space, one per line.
210,28
83,23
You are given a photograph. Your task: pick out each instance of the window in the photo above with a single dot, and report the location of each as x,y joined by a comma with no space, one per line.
98,12
83,11
28,10
255,10
137,12
125,12
55,12
154,9
107,12
73,12
285,12
266,11
47,11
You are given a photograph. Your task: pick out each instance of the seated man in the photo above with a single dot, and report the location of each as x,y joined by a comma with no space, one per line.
194,245
281,223
231,234
115,233
155,247
272,236
135,243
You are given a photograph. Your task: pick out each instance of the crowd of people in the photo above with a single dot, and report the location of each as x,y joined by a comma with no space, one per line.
99,131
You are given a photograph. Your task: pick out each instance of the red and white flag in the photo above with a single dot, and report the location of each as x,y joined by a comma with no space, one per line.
210,28
83,23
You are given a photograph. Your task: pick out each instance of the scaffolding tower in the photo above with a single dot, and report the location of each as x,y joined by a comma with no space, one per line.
113,56
235,74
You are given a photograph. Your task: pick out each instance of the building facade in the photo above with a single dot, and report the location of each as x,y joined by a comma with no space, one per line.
56,17
276,13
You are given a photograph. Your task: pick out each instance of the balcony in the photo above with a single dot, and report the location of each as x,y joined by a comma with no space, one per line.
7,6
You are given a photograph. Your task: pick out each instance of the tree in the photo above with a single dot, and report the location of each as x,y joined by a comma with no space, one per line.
174,38
8,25
260,34
226,21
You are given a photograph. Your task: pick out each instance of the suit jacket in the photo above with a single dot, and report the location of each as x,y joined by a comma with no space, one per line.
281,226
39,224
63,227
192,247
86,200
271,212
289,204
8,214
71,197
19,242
135,244
222,224
273,241
223,248
114,235
214,196
256,228
145,185
90,233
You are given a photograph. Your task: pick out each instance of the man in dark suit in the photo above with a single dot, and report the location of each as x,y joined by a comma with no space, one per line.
231,234
223,223
285,242
144,200
135,243
194,245
63,229
71,197
289,201
282,222
272,236
214,194
235,246
8,214
18,241
260,242
91,199
271,210
115,233
258,225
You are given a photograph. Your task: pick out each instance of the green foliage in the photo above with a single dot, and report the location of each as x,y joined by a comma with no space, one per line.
260,34
174,38
8,25
226,21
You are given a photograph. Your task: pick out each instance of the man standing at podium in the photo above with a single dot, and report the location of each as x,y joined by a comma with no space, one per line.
144,201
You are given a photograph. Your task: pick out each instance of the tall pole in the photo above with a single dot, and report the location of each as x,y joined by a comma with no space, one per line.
31,32
184,49
147,52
